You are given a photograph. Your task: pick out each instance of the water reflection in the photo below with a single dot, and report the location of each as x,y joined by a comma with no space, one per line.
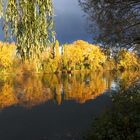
29,91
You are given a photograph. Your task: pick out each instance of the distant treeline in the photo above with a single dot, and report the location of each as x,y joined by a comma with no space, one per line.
68,58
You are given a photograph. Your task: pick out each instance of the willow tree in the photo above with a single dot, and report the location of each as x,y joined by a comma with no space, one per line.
31,23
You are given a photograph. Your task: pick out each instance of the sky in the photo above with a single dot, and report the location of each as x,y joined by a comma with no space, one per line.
70,23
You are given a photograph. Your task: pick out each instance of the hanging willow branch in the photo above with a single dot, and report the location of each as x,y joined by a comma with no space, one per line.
31,23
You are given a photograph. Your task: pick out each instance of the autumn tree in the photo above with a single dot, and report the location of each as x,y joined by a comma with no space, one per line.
82,55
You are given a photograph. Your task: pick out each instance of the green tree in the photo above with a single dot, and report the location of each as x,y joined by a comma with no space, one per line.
31,23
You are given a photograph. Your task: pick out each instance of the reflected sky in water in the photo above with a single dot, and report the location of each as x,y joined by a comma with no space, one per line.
70,23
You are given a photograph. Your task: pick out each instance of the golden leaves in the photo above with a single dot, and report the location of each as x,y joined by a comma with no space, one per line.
7,54
81,55
128,60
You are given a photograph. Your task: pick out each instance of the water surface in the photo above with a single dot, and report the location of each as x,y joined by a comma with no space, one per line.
56,107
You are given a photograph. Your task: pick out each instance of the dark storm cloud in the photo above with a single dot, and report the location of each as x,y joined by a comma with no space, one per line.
70,22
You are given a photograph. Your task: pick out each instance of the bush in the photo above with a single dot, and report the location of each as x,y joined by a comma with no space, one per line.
7,55
128,60
82,55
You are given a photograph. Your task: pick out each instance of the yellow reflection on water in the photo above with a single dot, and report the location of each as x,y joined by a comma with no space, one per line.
32,90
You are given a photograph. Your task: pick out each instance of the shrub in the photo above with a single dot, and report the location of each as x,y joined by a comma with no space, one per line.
81,54
7,55
128,60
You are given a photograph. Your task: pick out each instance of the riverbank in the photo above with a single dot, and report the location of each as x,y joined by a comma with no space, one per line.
122,122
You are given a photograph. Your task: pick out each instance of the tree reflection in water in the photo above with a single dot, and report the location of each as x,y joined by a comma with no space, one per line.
29,91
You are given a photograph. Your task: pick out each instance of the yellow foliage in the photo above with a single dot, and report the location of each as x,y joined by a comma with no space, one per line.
7,55
26,68
128,60
110,64
7,96
81,55
128,78
57,52
52,65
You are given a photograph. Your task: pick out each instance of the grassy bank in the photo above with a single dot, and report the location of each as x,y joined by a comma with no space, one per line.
122,122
